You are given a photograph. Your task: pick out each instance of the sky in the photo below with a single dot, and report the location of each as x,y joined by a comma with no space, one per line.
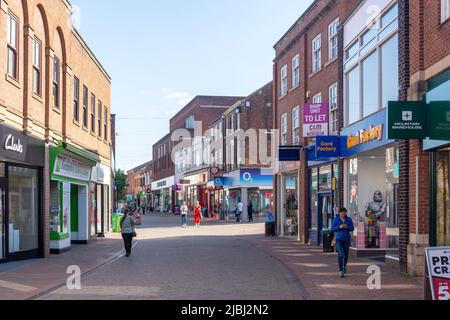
162,53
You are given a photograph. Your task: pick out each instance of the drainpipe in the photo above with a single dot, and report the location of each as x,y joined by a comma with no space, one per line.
417,219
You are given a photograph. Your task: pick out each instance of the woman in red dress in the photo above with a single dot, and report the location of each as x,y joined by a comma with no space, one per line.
197,214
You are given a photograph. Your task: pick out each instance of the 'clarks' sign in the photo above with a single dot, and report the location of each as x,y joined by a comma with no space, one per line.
13,144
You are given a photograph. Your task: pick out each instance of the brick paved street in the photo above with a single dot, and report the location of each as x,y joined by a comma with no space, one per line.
220,260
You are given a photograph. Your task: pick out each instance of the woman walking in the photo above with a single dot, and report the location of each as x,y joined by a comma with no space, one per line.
128,231
197,214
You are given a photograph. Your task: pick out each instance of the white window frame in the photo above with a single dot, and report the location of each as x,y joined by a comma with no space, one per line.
317,98
296,71
284,118
296,125
333,39
284,80
12,38
445,10
333,100
317,53
37,64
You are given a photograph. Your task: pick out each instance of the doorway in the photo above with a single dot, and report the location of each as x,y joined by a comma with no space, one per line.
2,218
325,214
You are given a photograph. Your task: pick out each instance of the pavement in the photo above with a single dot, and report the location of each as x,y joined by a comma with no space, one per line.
218,261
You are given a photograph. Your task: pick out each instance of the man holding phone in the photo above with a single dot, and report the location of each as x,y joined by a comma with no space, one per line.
342,228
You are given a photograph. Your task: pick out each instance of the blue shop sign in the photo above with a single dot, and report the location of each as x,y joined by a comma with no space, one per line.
254,177
327,147
219,182
365,135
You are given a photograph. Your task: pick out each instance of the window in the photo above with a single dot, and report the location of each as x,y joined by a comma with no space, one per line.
232,122
238,120
333,40
76,98
316,99
333,91
37,54
445,10
371,68
99,118
105,124
85,106
190,122
317,53
12,45
93,113
284,129
284,81
56,80
296,71
296,126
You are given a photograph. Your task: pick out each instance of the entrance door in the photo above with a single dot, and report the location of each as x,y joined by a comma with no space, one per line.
2,218
325,214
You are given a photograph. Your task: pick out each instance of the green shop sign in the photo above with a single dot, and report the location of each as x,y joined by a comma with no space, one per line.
419,120
439,120
407,120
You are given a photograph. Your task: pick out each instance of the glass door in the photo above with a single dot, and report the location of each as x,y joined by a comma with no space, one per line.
326,213
2,218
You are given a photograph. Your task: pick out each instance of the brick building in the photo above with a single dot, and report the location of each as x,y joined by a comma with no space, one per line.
55,112
306,71
139,183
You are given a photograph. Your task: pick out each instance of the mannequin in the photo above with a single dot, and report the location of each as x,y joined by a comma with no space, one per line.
375,212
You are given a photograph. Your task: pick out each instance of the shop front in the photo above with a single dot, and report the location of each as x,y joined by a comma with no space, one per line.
21,183
371,180
163,194
73,218
196,190
439,91
215,198
100,198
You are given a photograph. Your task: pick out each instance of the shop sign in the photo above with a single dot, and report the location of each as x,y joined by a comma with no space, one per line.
254,177
438,263
21,147
71,168
288,154
315,120
13,144
176,188
161,184
327,147
185,182
219,182
149,191
407,120
439,120
214,170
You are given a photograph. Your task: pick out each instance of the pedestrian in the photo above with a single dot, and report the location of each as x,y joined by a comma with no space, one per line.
184,214
240,209
342,228
197,214
250,211
128,230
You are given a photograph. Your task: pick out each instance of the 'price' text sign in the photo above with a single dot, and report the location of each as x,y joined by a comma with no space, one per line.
438,260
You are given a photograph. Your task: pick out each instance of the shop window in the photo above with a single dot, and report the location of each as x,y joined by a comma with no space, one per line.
23,209
314,198
443,199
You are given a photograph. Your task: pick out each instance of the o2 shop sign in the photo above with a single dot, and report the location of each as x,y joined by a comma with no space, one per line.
438,261
13,144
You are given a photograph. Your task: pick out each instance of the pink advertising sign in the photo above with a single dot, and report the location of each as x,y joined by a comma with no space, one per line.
315,120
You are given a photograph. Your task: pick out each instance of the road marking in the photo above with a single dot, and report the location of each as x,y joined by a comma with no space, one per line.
16,286
123,291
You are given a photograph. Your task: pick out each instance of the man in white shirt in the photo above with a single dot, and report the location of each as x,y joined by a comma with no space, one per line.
184,214
240,209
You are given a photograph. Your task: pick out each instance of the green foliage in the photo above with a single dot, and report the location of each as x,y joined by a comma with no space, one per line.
121,184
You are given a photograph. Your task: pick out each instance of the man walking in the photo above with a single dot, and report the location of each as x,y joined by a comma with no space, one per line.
342,228
240,209
250,211
184,214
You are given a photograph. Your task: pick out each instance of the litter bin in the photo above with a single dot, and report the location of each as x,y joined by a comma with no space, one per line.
116,218
270,229
327,240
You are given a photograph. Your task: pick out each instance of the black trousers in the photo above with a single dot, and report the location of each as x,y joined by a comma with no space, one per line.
250,217
127,241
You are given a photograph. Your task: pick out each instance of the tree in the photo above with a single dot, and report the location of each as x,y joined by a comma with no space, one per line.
121,185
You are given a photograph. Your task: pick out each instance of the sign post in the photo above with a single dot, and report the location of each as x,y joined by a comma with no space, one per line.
438,263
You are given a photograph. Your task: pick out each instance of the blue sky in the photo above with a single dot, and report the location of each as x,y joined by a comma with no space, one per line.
162,53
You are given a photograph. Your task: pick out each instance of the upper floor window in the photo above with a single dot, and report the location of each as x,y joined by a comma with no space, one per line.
296,71
190,122
284,129
232,122
56,81
317,53
93,113
76,98
296,126
85,106
12,37
317,98
284,81
333,40
445,10
333,96
37,62
105,124
371,68
99,118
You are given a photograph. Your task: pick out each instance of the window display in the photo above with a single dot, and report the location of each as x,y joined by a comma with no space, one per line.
54,207
443,198
291,222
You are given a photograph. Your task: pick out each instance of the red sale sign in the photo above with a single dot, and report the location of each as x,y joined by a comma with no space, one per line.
438,261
